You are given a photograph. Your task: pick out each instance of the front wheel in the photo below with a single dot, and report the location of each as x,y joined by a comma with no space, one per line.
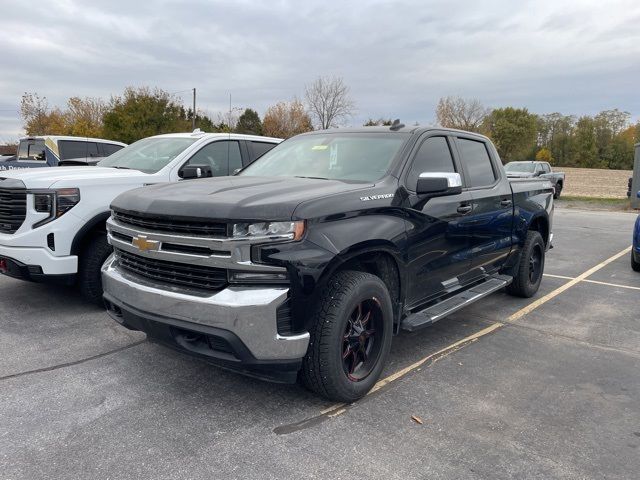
530,268
350,337
93,255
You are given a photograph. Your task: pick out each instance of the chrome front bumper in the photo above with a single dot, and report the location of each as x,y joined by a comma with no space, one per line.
247,312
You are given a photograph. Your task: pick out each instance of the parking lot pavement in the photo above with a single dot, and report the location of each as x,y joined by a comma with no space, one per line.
504,390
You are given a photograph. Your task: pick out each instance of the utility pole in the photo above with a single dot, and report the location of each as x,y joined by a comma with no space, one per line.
193,118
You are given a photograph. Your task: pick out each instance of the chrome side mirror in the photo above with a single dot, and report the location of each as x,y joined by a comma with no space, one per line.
439,184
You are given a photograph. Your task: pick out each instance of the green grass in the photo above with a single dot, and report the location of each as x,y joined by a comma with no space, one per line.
593,202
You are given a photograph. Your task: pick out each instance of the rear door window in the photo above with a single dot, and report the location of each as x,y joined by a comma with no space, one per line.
109,148
76,149
434,155
477,161
260,148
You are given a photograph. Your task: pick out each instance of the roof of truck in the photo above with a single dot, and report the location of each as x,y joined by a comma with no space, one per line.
68,137
235,136
412,129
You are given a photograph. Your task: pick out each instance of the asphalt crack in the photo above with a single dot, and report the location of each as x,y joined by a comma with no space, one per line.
71,364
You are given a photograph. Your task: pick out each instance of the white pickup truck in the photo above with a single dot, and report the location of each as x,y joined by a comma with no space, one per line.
52,220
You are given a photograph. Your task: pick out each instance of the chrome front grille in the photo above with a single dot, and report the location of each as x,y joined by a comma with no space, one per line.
13,209
184,260
172,225
174,273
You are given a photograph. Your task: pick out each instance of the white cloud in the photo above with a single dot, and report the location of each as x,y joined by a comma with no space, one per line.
398,57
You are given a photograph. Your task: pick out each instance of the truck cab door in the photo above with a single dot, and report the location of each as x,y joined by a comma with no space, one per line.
439,247
491,225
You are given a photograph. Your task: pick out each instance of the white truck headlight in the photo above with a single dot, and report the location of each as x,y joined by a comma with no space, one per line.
290,230
54,202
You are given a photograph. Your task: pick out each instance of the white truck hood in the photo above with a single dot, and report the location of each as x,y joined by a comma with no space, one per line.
70,177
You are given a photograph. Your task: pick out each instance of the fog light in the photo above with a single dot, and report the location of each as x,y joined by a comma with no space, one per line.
258,277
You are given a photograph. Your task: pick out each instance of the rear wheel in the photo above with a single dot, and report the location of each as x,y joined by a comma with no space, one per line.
93,255
558,190
530,268
350,337
635,264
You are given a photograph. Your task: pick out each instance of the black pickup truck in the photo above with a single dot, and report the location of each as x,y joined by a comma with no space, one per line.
307,262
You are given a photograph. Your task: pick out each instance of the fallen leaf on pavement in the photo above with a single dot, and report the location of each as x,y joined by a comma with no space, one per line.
417,419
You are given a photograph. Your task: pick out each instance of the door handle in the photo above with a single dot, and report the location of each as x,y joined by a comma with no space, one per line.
506,202
464,208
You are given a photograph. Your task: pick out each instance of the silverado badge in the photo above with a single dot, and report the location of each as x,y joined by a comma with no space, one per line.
377,197
144,244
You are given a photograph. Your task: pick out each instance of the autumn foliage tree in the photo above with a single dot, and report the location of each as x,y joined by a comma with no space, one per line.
544,155
39,119
461,113
286,119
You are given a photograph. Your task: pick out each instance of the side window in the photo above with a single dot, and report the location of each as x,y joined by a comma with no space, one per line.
74,149
260,148
546,168
109,148
476,158
434,155
220,156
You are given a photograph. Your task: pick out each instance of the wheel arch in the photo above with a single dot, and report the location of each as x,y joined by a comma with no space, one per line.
380,258
97,224
540,223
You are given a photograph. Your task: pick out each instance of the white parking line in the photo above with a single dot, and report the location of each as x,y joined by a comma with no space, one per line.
563,288
616,285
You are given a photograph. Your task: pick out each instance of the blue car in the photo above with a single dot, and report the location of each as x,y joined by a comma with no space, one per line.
635,249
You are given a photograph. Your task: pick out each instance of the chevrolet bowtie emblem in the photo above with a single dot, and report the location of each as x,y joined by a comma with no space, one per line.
144,244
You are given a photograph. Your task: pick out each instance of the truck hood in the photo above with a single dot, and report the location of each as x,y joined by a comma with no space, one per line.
74,176
233,198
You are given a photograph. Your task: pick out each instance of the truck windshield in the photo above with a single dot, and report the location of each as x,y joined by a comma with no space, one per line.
526,167
359,157
149,155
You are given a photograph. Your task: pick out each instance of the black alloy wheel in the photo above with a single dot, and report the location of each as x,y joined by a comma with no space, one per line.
361,345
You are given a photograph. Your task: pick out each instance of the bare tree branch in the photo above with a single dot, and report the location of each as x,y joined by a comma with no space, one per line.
329,102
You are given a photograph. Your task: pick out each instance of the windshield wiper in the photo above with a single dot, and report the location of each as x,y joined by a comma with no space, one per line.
122,168
315,178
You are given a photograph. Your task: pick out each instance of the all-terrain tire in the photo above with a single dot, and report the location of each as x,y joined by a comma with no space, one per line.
325,368
92,256
530,267
557,191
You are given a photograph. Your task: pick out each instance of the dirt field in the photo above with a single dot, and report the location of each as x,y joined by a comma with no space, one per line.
592,182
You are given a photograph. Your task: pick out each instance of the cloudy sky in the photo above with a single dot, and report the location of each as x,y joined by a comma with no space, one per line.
398,57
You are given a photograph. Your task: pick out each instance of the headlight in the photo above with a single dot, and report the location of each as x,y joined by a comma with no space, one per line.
289,230
55,202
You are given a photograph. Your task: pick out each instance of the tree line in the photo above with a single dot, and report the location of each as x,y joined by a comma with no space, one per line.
605,140
142,112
